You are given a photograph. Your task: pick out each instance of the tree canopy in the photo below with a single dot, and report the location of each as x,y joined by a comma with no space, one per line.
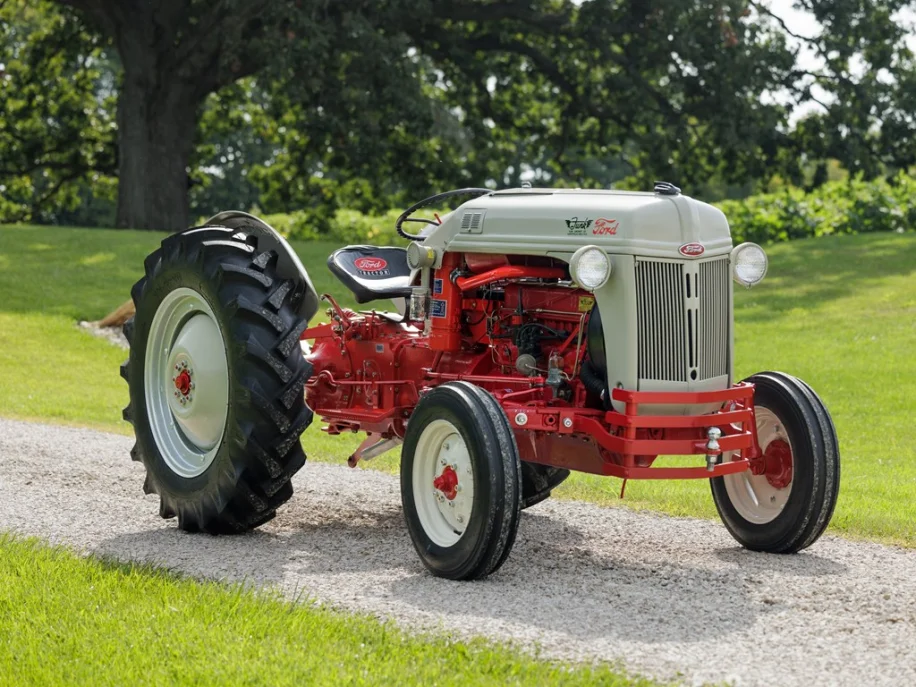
359,103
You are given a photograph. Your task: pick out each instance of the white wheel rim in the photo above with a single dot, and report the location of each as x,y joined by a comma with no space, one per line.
443,513
753,496
186,378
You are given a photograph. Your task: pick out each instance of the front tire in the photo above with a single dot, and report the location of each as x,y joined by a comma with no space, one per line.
785,501
216,378
461,482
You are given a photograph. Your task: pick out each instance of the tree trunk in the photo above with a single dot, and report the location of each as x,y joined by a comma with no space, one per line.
157,118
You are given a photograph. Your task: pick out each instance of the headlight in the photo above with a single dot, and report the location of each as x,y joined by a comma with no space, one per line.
749,264
590,267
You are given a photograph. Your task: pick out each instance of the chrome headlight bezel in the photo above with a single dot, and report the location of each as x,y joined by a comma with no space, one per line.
743,277
582,276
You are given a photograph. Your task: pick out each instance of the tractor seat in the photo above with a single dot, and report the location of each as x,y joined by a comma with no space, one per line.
372,272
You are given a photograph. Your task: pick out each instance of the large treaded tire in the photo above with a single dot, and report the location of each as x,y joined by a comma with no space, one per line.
490,531
255,310
816,470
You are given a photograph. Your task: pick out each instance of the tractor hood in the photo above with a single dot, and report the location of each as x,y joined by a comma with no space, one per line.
558,221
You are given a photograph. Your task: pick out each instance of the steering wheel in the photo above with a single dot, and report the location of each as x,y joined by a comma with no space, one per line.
432,200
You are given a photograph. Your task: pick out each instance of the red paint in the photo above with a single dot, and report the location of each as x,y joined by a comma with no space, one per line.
692,250
481,262
777,463
370,264
445,331
183,382
447,483
605,227
358,385
511,272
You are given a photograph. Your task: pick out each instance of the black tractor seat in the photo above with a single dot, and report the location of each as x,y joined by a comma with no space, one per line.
372,272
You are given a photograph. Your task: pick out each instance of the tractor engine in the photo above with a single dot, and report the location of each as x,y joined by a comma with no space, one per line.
523,338
533,330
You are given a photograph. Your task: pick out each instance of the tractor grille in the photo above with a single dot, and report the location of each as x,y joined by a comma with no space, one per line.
660,310
712,319
682,310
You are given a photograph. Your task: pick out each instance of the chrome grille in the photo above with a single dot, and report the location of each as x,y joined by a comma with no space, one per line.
662,331
712,316
682,313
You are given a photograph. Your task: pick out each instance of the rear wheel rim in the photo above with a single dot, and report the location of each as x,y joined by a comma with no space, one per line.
757,494
186,381
443,483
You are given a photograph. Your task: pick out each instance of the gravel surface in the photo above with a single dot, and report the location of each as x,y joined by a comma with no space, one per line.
669,597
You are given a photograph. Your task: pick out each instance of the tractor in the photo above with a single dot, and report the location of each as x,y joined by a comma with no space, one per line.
524,334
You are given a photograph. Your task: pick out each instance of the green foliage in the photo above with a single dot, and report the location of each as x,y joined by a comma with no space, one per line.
57,130
470,92
72,621
344,226
837,207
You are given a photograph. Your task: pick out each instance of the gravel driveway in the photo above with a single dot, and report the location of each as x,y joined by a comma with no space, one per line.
670,597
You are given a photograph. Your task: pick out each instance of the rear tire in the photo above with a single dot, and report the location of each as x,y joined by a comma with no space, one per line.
461,482
216,378
785,503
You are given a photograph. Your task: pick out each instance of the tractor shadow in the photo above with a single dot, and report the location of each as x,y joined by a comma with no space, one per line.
556,580
560,578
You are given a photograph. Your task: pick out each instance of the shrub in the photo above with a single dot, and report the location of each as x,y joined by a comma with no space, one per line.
837,207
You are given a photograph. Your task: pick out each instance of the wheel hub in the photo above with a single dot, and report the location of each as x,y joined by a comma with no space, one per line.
447,483
187,382
443,482
777,460
760,493
183,382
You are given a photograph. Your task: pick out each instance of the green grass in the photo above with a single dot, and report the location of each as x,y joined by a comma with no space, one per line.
840,312
66,620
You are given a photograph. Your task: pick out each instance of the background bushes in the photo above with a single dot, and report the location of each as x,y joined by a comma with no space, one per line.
838,207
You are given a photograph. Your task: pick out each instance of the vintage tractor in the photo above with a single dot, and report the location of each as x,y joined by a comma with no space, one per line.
532,332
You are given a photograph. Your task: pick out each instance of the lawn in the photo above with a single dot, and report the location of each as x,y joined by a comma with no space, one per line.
840,312
74,621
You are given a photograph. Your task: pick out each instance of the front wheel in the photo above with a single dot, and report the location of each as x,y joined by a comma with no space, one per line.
785,501
461,482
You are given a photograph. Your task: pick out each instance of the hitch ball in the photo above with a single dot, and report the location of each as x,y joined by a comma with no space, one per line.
713,453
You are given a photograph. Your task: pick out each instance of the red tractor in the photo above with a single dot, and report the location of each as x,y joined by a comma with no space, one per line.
532,332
